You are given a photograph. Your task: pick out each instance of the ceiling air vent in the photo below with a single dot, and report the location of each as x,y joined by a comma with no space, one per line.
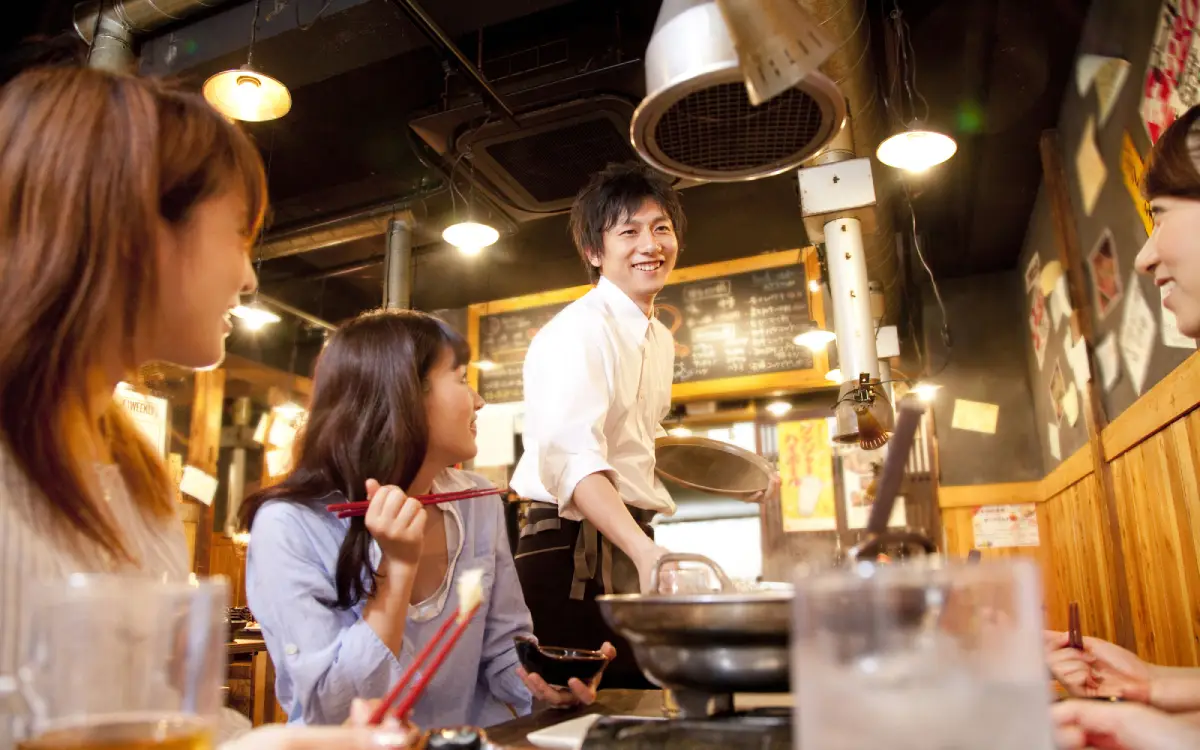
540,167
697,122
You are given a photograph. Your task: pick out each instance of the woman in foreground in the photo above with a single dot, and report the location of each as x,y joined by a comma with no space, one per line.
127,210
345,604
1161,700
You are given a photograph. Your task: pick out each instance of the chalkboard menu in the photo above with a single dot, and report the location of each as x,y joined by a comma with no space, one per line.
724,327
504,339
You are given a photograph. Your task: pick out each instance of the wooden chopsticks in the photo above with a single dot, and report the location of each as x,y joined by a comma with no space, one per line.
410,700
1074,631
350,510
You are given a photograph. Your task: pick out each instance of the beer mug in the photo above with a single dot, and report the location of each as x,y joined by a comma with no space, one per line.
121,662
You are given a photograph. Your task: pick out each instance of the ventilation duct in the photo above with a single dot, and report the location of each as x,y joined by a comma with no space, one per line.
697,121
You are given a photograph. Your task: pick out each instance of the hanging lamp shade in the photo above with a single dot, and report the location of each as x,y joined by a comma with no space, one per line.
470,236
248,95
916,149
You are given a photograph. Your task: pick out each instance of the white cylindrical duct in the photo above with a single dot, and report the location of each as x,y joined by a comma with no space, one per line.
847,262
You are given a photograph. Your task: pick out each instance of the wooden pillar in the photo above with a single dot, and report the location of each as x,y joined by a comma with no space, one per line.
204,442
1058,190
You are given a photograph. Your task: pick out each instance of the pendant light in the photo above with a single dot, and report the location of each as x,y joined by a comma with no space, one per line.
815,338
470,237
916,149
254,316
246,94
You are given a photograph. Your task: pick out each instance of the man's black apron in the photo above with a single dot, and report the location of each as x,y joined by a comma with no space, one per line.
563,566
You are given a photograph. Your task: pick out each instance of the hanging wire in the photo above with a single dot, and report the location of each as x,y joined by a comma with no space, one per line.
253,35
95,30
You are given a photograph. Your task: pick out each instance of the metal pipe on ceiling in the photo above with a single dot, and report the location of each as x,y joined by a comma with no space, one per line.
429,27
334,232
397,276
852,68
138,16
307,317
112,27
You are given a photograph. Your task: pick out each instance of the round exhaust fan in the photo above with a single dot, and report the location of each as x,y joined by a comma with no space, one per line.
697,122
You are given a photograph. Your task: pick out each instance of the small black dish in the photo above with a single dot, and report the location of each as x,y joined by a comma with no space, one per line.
558,665
455,738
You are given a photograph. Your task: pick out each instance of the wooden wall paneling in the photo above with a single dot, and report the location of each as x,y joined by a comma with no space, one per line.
1153,523
229,559
204,442
1054,175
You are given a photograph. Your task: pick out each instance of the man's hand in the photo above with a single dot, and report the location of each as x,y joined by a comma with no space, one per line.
769,493
577,693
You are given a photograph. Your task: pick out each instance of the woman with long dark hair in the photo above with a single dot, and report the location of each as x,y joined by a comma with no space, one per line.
346,604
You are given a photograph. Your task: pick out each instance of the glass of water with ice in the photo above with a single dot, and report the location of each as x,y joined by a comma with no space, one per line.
928,655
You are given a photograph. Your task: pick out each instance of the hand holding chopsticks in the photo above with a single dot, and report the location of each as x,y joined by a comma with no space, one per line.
350,510
470,594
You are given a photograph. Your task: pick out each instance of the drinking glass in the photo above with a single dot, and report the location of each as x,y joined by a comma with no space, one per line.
114,662
927,654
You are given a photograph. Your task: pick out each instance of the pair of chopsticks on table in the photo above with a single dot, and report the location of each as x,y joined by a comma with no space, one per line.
351,510
470,594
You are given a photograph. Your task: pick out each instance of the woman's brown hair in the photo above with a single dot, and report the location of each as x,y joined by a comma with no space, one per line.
366,421
91,164
1172,168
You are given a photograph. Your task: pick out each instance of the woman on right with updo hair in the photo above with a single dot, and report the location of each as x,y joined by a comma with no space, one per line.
1156,698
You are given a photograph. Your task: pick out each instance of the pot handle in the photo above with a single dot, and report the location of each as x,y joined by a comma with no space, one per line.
678,557
873,545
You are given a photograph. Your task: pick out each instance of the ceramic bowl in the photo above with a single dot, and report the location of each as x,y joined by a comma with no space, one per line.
558,665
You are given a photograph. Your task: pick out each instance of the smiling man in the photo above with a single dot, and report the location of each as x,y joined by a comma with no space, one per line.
597,385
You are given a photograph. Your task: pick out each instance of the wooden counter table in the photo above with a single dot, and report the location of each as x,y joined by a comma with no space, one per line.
511,734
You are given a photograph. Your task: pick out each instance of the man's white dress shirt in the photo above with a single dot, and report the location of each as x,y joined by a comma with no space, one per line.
597,386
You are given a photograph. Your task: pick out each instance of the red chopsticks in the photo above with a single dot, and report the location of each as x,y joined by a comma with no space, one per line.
410,700
350,510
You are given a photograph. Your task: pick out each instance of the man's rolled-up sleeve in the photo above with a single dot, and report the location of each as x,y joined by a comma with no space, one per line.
568,392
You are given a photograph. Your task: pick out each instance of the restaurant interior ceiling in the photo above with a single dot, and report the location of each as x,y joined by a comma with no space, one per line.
370,92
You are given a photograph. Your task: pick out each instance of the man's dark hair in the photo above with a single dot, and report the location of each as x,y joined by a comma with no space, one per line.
611,197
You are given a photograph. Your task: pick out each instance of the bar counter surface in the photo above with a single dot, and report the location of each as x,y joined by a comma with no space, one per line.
511,734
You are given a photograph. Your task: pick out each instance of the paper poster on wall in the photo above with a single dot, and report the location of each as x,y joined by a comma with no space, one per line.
1033,272
1109,362
975,416
1070,404
1052,441
198,484
997,526
1106,74
1039,327
806,476
1137,334
1171,335
1060,302
149,414
1058,388
1052,272
1172,82
1089,167
1077,361
1106,276
1132,168
858,471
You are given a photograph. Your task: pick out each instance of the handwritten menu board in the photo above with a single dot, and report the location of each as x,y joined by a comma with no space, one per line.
737,325
724,327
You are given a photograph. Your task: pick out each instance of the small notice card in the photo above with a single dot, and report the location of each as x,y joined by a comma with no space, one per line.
1005,526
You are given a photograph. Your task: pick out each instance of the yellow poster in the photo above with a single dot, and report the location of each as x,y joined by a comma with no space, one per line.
1131,174
806,476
